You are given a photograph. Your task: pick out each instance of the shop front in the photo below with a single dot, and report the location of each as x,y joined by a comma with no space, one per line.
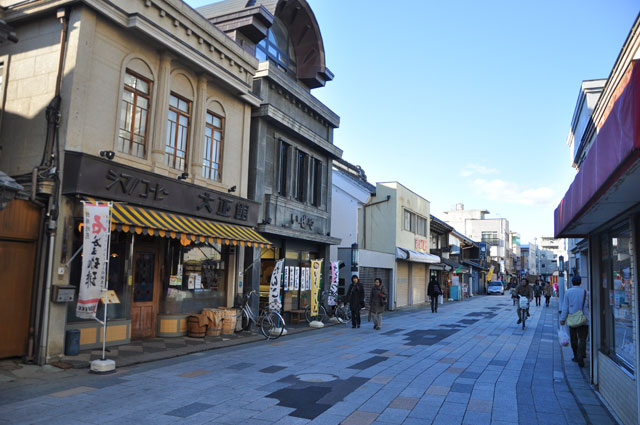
412,269
175,248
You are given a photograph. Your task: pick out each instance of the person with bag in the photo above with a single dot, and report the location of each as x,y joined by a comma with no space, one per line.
377,301
548,291
523,290
574,314
355,298
434,291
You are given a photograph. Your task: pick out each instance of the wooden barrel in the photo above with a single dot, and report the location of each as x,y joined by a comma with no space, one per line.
194,329
216,328
228,320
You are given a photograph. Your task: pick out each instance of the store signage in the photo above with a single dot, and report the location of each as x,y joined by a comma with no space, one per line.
95,258
333,291
302,221
274,287
102,179
316,274
422,245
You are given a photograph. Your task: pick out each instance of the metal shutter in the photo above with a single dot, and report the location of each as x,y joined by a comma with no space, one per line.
418,283
402,283
367,277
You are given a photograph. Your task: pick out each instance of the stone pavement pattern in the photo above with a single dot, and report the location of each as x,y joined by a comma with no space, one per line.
467,364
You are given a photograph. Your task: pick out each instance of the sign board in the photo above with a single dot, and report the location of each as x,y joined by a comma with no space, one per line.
110,297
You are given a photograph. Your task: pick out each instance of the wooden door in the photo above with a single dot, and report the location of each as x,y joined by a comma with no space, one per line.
146,291
17,265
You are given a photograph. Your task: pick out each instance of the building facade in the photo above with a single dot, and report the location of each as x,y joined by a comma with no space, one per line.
602,207
396,221
146,105
291,142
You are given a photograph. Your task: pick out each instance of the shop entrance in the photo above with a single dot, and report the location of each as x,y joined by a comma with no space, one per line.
146,291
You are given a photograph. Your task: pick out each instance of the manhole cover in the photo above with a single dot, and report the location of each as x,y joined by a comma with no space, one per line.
317,377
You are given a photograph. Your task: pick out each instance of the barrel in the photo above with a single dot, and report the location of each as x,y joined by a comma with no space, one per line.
228,320
215,329
194,328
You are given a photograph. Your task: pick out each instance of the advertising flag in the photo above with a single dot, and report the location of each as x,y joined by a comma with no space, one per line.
333,290
95,258
297,277
274,287
286,278
316,276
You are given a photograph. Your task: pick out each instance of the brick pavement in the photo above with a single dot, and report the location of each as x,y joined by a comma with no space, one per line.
467,364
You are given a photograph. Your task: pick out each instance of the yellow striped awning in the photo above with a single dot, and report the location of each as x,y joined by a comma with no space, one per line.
129,218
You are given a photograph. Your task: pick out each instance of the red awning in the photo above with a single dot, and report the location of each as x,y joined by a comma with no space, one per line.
614,150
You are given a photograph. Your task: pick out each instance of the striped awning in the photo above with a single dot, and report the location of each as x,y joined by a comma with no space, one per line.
139,220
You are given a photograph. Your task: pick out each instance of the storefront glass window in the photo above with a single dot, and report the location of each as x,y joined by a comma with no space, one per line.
622,295
195,278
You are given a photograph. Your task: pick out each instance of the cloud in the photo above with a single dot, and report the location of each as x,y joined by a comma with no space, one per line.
513,193
471,169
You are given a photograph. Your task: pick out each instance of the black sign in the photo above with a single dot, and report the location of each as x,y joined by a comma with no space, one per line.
108,180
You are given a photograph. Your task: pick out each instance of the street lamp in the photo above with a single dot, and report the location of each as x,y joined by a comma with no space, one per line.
355,256
8,189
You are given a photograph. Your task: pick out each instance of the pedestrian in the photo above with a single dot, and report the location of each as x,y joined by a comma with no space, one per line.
434,291
377,301
537,290
574,313
355,297
548,291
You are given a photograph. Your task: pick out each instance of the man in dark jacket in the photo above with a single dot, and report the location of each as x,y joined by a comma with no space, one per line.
355,298
377,301
434,291
524,289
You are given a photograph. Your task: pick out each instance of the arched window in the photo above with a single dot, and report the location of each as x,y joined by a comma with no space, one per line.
134,110
278,47
213,139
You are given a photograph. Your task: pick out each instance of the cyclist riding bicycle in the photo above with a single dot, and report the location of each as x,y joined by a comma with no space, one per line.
525,290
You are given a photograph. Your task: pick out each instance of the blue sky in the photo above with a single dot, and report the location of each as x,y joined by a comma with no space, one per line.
467,101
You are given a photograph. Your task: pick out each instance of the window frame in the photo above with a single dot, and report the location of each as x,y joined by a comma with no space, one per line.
220,147
136,93
316,183
179,113
284,167
302,176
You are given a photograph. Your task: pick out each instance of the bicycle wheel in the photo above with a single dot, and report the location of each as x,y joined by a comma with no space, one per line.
246,320
307,314
322,314
523,316
278,324
266,325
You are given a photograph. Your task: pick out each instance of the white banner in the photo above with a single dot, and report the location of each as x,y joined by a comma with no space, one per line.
333,289
307,283
297,278
286,278
95,258
274,287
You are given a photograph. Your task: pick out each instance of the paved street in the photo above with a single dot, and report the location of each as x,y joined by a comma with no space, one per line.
469,363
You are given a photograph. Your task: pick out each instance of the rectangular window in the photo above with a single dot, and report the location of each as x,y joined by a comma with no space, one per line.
283,172
316,186
175,152
301,176
134,115
409,221
623,296
212,159
421,226
491,238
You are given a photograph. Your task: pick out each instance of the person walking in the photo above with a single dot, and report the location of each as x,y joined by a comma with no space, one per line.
377,301
355,297
434,291
537,290
574,313
548,291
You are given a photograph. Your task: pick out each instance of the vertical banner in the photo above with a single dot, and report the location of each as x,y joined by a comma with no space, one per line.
274,287
333,289
303,278
308,281
296,273
286,278
316,276
95,258
292,279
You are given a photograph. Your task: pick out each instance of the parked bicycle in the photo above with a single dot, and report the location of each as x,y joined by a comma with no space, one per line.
339,311
271,323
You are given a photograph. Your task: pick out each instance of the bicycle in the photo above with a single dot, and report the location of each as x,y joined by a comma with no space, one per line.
523,303
271,323
340,311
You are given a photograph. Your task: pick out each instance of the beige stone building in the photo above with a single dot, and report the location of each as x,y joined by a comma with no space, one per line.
146,104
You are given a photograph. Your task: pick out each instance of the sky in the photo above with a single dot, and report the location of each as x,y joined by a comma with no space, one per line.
465,101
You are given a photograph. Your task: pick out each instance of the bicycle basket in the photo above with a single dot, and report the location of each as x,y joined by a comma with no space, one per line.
524,302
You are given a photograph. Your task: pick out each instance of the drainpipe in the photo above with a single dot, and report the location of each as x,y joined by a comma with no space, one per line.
52,151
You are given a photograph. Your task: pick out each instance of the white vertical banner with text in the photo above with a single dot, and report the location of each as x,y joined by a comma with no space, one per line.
333,289
95,258
274,287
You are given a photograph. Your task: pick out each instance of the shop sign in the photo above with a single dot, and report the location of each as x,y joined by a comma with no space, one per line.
333,291
95,258
286,278
422,245
99,178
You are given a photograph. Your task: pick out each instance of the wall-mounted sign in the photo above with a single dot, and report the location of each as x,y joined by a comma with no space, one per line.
99,178
422,245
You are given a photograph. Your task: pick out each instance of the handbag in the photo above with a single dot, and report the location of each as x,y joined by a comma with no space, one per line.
577,319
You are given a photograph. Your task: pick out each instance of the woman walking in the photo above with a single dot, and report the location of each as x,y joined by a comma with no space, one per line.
548,291
355,298
377,301
434,291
